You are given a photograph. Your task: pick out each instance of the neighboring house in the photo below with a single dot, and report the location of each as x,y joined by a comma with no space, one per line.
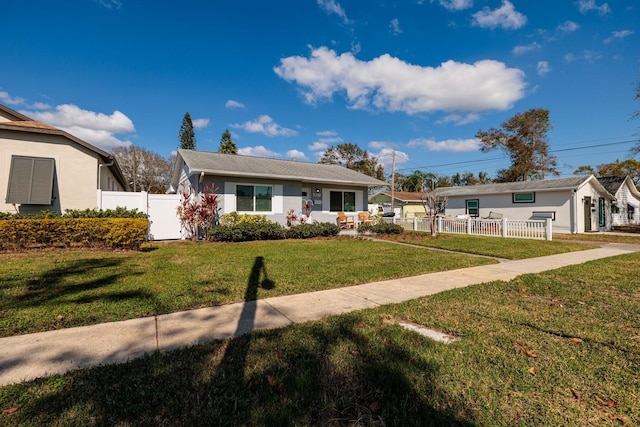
575,205
406,204
626,207
272,187
45,168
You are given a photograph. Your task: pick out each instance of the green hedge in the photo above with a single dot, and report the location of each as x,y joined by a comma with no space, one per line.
269,230
316,229
121,233
380,228
118,212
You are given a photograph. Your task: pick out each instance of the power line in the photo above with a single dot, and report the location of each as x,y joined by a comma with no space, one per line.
550,151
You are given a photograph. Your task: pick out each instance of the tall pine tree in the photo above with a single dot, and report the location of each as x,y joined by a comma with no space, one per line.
227,146
186,135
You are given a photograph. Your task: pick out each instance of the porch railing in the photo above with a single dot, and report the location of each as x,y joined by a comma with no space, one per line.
523,229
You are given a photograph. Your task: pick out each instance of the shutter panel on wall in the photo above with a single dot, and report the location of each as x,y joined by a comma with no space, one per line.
30,180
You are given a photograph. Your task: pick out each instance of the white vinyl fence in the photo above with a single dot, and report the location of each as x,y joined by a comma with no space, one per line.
161,209
523,229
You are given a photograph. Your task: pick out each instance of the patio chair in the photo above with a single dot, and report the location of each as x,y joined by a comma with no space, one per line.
344,221
364,218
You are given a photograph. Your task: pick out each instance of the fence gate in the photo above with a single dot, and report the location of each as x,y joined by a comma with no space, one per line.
161,209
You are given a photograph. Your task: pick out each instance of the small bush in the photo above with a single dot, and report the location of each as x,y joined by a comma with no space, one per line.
246,231
316,229
380,228
234,218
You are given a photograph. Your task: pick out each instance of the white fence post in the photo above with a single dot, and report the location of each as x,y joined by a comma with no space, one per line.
504,227
548,230
469,225
439,224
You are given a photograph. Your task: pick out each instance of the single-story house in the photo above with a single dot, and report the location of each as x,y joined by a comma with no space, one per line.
575,205
626,207
46,168
406,204
272,187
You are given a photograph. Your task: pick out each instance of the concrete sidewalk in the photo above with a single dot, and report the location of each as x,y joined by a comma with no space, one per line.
26,357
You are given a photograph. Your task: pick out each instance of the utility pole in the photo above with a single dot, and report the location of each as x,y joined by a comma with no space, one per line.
393,179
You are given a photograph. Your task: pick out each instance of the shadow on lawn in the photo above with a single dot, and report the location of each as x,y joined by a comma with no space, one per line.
61,283
346,370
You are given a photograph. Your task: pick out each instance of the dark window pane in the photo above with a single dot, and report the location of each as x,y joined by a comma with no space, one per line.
335,201
263,198
244,198
349,201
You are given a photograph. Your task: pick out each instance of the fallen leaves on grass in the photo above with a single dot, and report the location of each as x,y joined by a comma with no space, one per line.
579,397
10,410
532,370
576,340
524,351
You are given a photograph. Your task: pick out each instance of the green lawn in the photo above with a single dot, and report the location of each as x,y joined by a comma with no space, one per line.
557,348
490,246
55,289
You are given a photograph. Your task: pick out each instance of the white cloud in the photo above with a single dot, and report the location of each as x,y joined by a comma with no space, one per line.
100,138
200,123
568,27
40,106
8,99
378,145
395,26
266,126
231,104
387,83
505,17
456,4
459,119
585,6
385,158
519,50
319,146
67,115
543,68
331,7
111,4
618,35
296,155
96,128
327,133
257,151
453,145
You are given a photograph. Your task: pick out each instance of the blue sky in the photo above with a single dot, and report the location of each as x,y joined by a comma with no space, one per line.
290,78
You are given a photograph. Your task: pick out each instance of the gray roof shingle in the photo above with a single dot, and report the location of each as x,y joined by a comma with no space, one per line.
509,187
260,167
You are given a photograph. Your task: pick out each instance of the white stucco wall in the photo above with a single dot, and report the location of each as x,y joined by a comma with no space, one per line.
567,206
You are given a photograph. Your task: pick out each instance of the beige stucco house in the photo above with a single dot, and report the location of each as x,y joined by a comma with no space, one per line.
46,168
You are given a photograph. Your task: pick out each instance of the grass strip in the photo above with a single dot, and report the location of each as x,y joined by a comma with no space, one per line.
490,246
42,291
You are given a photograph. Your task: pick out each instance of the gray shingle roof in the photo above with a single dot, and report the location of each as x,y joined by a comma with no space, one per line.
259,167
509,187
612,183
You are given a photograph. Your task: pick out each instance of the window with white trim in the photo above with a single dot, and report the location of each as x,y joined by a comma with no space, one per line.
342,201
472,207
30,180
254,198
524,197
